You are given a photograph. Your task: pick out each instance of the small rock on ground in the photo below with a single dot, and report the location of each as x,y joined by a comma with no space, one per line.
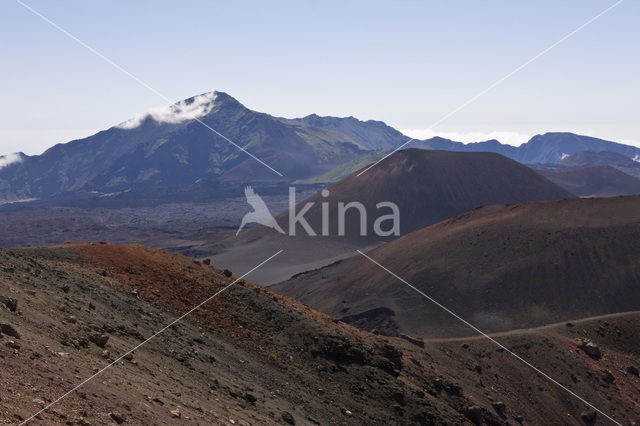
591,349
287,417
100,339
9,331
117,418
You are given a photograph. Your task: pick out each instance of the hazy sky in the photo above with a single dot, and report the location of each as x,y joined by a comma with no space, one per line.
406,63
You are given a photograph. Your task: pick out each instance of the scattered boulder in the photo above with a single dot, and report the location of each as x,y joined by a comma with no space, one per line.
591,349
251,398
80,343
206,262
9,331
607,376
227,273
632,370
176,413
450,388
474,414
589,416
346,412
13,345
117,418
100,339
288,418
500,407
10,303
81,421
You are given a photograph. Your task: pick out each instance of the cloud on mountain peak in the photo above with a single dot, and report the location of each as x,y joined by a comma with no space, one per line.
179,112
9,159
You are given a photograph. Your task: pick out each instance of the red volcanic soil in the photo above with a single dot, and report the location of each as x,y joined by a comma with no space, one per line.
177,282
254,357
249,356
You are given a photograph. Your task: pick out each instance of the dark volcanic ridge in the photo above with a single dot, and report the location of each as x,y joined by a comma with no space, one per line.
426,186
429,186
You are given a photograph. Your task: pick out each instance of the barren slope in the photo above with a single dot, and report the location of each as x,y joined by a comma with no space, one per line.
500,267
251,356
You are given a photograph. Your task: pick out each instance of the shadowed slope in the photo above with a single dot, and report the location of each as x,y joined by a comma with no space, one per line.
500,267
595,181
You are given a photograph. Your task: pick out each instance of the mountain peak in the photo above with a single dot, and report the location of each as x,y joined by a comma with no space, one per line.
184,110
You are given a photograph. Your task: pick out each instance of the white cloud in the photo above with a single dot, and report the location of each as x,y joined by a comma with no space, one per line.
510,138
7,160
176,113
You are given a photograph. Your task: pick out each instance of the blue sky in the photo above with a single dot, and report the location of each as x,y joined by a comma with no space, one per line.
406,63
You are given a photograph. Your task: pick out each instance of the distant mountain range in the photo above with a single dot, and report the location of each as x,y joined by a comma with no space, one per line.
168,147
594,174
602,158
